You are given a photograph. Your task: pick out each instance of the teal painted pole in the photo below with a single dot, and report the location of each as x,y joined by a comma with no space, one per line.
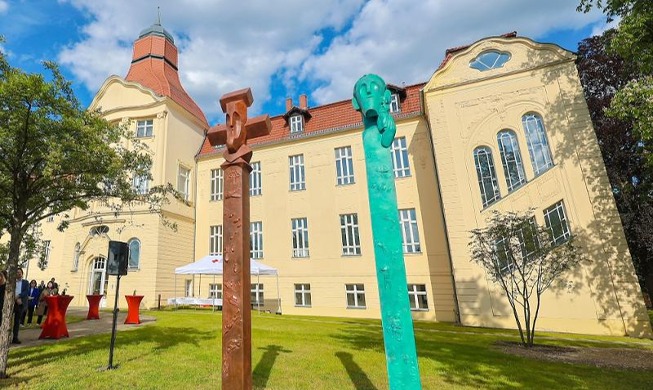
372,99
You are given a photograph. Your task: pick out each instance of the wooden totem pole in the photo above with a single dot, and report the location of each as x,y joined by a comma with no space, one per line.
236,309
372,99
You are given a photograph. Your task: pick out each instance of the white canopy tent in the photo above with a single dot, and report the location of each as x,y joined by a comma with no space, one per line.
214,265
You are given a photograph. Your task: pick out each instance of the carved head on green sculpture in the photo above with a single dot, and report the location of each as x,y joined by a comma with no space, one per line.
372,100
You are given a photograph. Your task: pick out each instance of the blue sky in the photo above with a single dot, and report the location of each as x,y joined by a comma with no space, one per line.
279,48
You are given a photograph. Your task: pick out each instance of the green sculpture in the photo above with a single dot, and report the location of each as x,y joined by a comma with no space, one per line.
372,99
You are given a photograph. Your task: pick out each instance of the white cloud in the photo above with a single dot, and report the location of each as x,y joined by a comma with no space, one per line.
4,6
326,45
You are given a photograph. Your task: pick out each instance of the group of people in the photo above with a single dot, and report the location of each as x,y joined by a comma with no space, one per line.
29,300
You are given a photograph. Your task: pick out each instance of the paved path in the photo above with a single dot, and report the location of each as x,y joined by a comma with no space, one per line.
29,336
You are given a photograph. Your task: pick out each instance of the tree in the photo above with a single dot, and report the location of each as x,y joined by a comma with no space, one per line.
520,256
602,74
633,41
56,156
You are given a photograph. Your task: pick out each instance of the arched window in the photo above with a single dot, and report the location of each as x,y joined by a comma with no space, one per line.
513,167
134,253
487,177
490,59
99,230
78,249
538,146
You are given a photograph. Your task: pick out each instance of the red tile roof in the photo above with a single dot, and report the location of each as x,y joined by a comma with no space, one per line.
154,65
330,116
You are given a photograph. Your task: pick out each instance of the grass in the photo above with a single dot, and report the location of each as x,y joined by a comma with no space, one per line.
182,351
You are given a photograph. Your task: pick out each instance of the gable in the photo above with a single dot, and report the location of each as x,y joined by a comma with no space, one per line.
495,57
117,94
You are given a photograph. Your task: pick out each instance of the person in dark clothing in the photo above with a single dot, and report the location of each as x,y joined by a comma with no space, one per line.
22,291
32,301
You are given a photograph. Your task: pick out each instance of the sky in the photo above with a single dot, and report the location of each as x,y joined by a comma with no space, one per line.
280,48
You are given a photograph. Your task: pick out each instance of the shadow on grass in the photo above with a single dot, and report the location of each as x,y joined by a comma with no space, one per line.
471,360
261,373
162,338
358,377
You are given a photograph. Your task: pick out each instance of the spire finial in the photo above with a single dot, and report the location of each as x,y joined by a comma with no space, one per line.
158,9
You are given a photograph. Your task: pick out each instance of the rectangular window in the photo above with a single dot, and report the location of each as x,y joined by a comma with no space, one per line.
351,244
399,152
215,241
297,178
183,182
355,296
215,290
188,288
141,184
45,256
303,295
255,187
50,218
394,103
257,294
296,124
256,240
299,227
556,220
417,297
217,184
409,233
144,128
344,166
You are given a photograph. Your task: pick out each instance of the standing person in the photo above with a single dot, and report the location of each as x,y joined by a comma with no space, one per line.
32,301
22,291
42,286
55,287
42,308
3,286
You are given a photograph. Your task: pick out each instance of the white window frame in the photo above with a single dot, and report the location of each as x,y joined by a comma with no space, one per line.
511,159
344,166
558,209
409,231
257,294
538,144
483,154
144,128
299,230
45,256
351,244
215,240
297,175
296,123
141,184
183,181
356,291
129,258
189,291
217,184
255,180
415,291
400,162
215,290
256,240
395,104
303,295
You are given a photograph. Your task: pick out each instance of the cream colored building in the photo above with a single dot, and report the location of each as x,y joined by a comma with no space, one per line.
503,104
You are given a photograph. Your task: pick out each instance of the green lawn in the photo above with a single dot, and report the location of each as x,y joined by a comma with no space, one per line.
182,351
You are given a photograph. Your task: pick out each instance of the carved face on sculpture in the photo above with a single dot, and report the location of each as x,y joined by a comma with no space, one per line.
236,119
371,96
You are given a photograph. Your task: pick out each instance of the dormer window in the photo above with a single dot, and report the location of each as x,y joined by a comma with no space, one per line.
144,128
296,123
394,103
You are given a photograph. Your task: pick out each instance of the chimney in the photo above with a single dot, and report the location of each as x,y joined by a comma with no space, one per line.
288,104
303,101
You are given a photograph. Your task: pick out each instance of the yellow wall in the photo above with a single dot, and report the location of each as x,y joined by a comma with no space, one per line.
466,109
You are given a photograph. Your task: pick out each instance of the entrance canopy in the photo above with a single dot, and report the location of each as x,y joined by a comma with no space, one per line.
213,265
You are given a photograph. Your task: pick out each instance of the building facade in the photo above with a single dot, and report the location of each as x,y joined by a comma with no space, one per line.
501,125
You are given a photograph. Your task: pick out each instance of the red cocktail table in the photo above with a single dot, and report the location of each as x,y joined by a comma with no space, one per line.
93,306
133,306
54,326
